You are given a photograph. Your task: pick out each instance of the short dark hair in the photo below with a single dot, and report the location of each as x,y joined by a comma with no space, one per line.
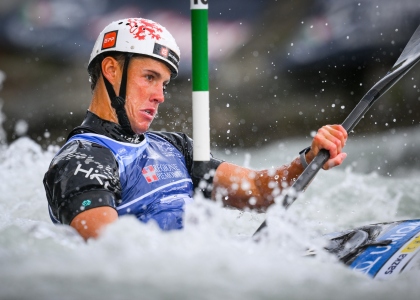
94,68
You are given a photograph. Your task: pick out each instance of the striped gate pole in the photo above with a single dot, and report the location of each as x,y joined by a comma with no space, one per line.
200,84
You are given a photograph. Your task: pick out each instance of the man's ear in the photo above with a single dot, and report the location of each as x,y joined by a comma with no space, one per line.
111,70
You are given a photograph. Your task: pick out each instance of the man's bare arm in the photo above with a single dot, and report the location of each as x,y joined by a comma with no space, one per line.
90,223
242,187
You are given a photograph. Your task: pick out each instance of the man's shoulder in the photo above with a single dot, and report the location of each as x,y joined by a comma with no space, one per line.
81,149
179,140
179,136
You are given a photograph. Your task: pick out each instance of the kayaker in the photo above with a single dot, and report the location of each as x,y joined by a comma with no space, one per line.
113,165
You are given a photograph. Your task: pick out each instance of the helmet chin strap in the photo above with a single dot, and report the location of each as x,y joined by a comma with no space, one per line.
118,102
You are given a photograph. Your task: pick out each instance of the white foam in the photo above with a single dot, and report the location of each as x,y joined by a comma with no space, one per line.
214,257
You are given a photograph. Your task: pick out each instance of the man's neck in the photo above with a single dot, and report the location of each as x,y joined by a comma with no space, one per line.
101,105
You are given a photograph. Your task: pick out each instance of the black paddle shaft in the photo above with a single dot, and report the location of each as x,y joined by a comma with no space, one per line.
408,58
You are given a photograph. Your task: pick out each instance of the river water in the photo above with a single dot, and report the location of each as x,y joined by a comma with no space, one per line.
214,257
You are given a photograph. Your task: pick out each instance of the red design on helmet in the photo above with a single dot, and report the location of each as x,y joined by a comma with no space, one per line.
142,28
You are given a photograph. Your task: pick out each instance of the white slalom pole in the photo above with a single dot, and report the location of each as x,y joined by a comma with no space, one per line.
200,82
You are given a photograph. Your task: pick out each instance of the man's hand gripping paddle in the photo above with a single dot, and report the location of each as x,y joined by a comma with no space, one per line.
408,58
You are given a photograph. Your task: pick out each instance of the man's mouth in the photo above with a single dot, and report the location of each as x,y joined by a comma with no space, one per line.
149,112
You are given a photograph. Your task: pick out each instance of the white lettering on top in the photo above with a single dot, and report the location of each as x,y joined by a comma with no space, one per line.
92,176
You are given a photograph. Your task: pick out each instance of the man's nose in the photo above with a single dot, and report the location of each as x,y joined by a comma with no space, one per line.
159,94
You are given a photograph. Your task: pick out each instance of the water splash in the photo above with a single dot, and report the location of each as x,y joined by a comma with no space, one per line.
213,257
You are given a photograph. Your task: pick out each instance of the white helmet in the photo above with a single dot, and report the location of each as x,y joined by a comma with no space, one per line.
139,36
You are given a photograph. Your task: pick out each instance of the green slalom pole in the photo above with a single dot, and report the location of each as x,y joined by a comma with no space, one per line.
200,83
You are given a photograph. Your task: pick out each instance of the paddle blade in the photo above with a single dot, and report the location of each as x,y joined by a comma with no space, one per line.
410,53
408,59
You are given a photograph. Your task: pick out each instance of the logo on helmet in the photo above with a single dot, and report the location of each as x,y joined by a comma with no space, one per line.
110,39
142,28
167,53
164,51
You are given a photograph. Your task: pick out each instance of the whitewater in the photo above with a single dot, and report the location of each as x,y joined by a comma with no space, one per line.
215,256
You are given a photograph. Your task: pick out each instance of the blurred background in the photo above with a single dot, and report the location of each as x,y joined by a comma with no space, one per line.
278,69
